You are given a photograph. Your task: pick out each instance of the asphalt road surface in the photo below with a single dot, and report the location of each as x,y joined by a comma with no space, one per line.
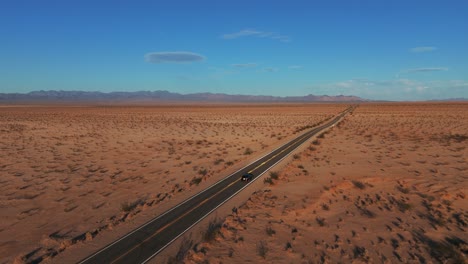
145,242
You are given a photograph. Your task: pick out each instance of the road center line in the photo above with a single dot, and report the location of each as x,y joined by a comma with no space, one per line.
173,221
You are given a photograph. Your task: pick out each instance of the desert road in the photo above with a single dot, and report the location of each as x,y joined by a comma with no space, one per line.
145,242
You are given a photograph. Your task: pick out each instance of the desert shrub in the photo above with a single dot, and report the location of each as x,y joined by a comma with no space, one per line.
320,221
212,230
203,172
316,142
457,137
360,252
229,163
274,175
403,206
130,206
262,249
403,189
248,151
359,185
270,231
296,156
218,161
268,180
367,212
196,180
288,246
442,251
181,253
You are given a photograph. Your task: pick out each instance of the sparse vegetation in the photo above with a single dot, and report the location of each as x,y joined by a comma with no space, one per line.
456,137
212,230
403,189
403,206
320,221
130,206
248,151
203,172
270,231
325,207
218,161
184,248
262,248
414,170
274,175
359,184
196,180
268,180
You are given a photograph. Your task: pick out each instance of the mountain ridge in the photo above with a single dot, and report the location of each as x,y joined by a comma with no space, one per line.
162,95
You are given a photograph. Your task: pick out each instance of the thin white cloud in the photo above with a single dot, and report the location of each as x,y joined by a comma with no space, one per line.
419,70
423,49
245,65
270,69
242,33
435,69
173,57
258,34
295,67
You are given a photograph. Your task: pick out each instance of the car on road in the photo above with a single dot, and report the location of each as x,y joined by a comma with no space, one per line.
247,177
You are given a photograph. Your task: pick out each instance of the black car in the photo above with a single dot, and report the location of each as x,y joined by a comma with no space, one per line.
247,177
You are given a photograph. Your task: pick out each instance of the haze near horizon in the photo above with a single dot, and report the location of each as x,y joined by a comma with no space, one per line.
399,50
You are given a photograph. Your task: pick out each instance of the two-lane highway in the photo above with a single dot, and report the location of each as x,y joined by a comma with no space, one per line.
147,241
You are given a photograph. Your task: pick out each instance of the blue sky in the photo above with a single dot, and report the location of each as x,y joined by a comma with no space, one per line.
390,50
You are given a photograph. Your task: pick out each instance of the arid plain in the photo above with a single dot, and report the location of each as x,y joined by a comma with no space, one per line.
74,174
386,185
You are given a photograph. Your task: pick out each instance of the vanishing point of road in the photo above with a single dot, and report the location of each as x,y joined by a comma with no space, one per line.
145,242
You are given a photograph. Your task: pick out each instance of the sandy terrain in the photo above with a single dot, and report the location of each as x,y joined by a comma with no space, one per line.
72,174
387,185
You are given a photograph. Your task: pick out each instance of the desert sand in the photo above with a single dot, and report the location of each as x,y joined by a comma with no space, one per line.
386,185
71,175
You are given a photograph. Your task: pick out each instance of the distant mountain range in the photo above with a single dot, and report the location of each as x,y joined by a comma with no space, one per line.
160,96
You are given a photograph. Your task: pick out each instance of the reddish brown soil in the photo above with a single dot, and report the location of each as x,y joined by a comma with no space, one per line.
387,185
73,174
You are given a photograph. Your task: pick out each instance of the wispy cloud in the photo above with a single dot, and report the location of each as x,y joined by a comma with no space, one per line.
270,69
426,69
258,34
245,65
173,57
419,70
423,49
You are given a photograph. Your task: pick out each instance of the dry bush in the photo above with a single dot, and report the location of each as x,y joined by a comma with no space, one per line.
262,248
213,229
